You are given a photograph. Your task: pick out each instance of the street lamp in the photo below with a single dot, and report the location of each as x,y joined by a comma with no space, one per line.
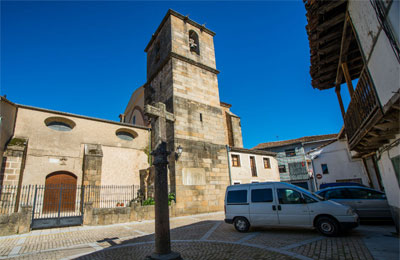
178,152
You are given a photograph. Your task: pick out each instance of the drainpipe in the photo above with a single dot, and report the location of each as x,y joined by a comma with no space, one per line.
314,173
150,146
229,164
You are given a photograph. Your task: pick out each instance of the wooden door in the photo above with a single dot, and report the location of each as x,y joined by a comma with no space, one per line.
253,166
60,192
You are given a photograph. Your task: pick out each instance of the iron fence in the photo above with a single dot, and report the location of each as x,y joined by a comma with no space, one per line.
70,197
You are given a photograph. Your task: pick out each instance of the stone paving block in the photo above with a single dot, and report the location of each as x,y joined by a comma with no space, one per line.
346,247
191,251
281,237
226,232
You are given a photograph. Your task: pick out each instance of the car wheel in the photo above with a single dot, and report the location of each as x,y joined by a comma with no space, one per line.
327,226
241,224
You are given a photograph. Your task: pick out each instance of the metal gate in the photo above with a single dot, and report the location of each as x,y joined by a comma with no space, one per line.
57,206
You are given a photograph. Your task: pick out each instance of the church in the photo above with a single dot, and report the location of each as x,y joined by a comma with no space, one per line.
41,146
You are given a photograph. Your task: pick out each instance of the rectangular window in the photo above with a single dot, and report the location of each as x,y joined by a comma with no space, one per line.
261,195
324,168
253,166
235,160
267,163
237,197
290,152
282,168
289,196
396,165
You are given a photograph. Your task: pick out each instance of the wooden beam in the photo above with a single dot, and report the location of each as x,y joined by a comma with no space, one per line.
337,90
329,5
387,126
328,37
379,138
331,22
329,48
348,78
373,134
368,173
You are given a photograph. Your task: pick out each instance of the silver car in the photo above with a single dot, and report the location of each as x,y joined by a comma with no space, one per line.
367,202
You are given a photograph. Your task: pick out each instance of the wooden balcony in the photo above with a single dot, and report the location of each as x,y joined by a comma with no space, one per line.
368,126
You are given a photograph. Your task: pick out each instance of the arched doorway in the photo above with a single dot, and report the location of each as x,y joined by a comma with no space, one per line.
60,192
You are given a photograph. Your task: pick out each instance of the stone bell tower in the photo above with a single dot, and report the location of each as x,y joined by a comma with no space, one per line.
181,72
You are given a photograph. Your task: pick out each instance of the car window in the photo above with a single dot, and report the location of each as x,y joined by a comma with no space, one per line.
237,197
335,194
365,194
289,196
261,195
309,199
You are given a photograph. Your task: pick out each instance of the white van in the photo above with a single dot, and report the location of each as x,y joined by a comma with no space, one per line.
283,204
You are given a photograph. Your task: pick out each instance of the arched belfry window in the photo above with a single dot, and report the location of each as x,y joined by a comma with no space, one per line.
194,42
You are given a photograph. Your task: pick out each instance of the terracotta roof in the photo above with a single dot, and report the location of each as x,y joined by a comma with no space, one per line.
305,139
244,150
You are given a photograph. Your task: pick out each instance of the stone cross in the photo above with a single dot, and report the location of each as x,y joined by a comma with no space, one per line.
159,117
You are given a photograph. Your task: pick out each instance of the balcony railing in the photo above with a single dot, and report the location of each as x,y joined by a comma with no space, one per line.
363,106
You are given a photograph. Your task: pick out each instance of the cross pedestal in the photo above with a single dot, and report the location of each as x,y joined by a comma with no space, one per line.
159,116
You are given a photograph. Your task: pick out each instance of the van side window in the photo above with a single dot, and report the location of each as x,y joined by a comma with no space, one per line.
289,196
309,199
237,197
261,195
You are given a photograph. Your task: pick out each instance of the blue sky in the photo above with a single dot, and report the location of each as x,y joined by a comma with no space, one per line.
88,57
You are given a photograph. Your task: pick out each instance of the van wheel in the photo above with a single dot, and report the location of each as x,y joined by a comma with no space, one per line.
327,226
241,224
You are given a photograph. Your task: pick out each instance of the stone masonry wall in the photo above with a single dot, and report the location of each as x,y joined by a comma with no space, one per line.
237,132
188,85
201,177
92,163
108,216
159,49
16,223
13,162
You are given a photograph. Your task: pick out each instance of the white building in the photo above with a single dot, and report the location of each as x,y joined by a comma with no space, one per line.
249,166
358,42
334,163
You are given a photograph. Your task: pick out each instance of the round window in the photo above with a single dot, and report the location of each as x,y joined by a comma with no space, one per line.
125,136
59,124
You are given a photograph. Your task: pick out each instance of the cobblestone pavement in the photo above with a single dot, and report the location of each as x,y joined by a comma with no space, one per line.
203,236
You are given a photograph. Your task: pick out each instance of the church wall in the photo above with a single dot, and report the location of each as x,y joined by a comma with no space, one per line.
202,171
194,83
50,150
114,157
180,42
135,108
159,49
237,132
7,113
201,177
188,85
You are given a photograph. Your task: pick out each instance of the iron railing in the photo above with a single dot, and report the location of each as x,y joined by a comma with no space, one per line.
364,103
72,197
